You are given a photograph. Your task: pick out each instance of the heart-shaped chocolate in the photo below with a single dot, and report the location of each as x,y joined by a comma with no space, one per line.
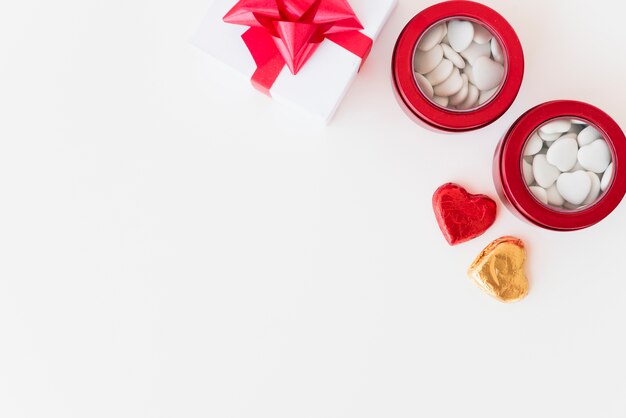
499,269
462,216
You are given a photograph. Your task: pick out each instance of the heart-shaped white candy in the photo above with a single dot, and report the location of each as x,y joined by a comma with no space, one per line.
595,188
527,170
595,157
540,194
544,172
549,137
426,61
425,86
440,73
474,51
588,135
556,126
496,51
461,95
469,72
563,153
574,187
607,177
488,74
441,100
460,34
486,95
453,56
533,145
432,37
481,34
554,197
451,85
472,98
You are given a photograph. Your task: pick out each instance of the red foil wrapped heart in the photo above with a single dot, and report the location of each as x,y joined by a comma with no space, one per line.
462,216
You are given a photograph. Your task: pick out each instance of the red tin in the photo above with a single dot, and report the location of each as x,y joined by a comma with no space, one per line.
509,180
418,106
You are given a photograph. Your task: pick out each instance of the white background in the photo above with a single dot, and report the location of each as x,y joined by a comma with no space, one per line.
174,244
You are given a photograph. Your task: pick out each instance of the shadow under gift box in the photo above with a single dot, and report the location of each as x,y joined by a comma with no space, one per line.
424,110
320,85
508,167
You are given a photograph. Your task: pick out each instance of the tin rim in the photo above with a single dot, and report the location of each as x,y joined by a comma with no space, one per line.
511,179
448,119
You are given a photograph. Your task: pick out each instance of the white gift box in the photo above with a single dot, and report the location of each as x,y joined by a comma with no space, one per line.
321,83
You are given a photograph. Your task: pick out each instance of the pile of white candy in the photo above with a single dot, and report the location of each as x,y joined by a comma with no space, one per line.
458,64
567,164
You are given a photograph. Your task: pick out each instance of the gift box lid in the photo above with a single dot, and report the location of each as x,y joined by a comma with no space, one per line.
320,85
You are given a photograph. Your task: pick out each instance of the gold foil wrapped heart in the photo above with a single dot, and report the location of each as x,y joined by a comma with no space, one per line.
499,269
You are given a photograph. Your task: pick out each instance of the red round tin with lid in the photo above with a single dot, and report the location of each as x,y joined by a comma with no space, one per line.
425,110
509,159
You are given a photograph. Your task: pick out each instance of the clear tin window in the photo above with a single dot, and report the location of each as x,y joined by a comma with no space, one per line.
567,164
459,64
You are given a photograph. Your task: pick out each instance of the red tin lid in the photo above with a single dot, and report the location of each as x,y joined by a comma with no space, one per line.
508,166
423,108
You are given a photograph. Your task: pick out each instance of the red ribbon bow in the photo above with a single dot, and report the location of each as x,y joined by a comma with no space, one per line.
289,31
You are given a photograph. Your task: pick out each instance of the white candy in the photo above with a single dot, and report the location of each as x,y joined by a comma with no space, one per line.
432,37
424,85
441,101
487,73
481,34
557,126
595,188
563,153
570,175
540,194
534,145
527,170
440,73
588,135
595,157
607,177
460,97
470,74
554,197
544,172
574,187
472,98
459,60
549,137
496,51
451,85
453,56
475,51
485,95
460,34
426,61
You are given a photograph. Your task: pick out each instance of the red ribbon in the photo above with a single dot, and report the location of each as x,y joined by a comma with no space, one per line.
287,32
